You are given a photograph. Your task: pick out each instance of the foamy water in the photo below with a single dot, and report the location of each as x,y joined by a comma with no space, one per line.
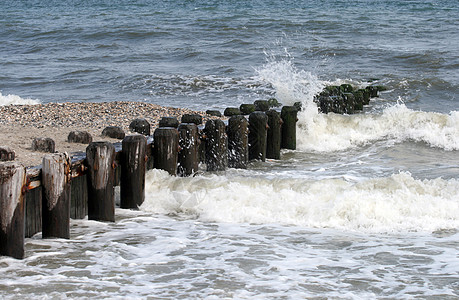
16,100
157,256
398,203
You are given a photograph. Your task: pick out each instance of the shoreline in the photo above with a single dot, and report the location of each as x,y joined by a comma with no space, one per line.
20,124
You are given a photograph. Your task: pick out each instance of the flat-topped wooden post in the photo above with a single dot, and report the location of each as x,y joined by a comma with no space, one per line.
238,142
273,141
133,167
188,159
258,123
57,195
216,145
12,182
100,157
289,119
166,146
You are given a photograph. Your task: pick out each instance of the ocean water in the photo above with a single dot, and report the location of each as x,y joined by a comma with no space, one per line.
367,207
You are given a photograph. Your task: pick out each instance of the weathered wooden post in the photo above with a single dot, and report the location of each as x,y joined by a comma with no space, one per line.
238,142
79,196
33,211
12,183
258,123
273,141
216,145
55,178
166,146
141,126
100,157
289,119
133,168
192,118
168,122
188,159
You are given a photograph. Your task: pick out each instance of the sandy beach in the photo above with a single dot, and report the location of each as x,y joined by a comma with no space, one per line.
20,124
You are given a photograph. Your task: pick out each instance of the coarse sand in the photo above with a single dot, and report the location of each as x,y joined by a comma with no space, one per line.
20,124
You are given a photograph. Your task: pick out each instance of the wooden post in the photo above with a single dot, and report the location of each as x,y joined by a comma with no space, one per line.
12,181
133,167
166,146
238,142
33,211
258,123
188,158
55,178
150,156
168,122
141,126
101,178
79,197
289,119
192,118
273,141
216,145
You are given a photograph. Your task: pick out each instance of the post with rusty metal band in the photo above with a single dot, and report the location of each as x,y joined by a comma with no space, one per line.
12,184
273,141
166,146
216,145
57,195
238,142
289,119
188,158
258,123
100,157
133,168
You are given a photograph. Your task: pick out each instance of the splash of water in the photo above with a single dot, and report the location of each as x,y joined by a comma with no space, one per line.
16,100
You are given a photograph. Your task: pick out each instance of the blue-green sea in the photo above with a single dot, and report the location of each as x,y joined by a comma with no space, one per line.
366,207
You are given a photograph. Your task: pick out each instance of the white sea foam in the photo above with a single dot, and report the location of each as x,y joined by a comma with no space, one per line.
16,100
396,203
332,132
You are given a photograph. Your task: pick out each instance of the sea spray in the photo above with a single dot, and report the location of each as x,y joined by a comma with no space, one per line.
396,203
333,132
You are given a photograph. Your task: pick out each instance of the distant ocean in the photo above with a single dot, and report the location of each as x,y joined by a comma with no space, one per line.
367,207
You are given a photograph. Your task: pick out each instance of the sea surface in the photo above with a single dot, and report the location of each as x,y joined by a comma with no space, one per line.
367,207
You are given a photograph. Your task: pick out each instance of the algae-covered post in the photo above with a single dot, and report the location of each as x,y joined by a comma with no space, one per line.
273,142
133,168
188,159
216,145
165,149
57,190
12,181
238,142
289,119
100,157
258,124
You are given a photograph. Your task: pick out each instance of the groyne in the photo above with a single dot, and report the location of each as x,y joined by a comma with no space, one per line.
45,198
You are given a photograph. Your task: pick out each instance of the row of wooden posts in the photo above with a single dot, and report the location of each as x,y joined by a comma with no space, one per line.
44,199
